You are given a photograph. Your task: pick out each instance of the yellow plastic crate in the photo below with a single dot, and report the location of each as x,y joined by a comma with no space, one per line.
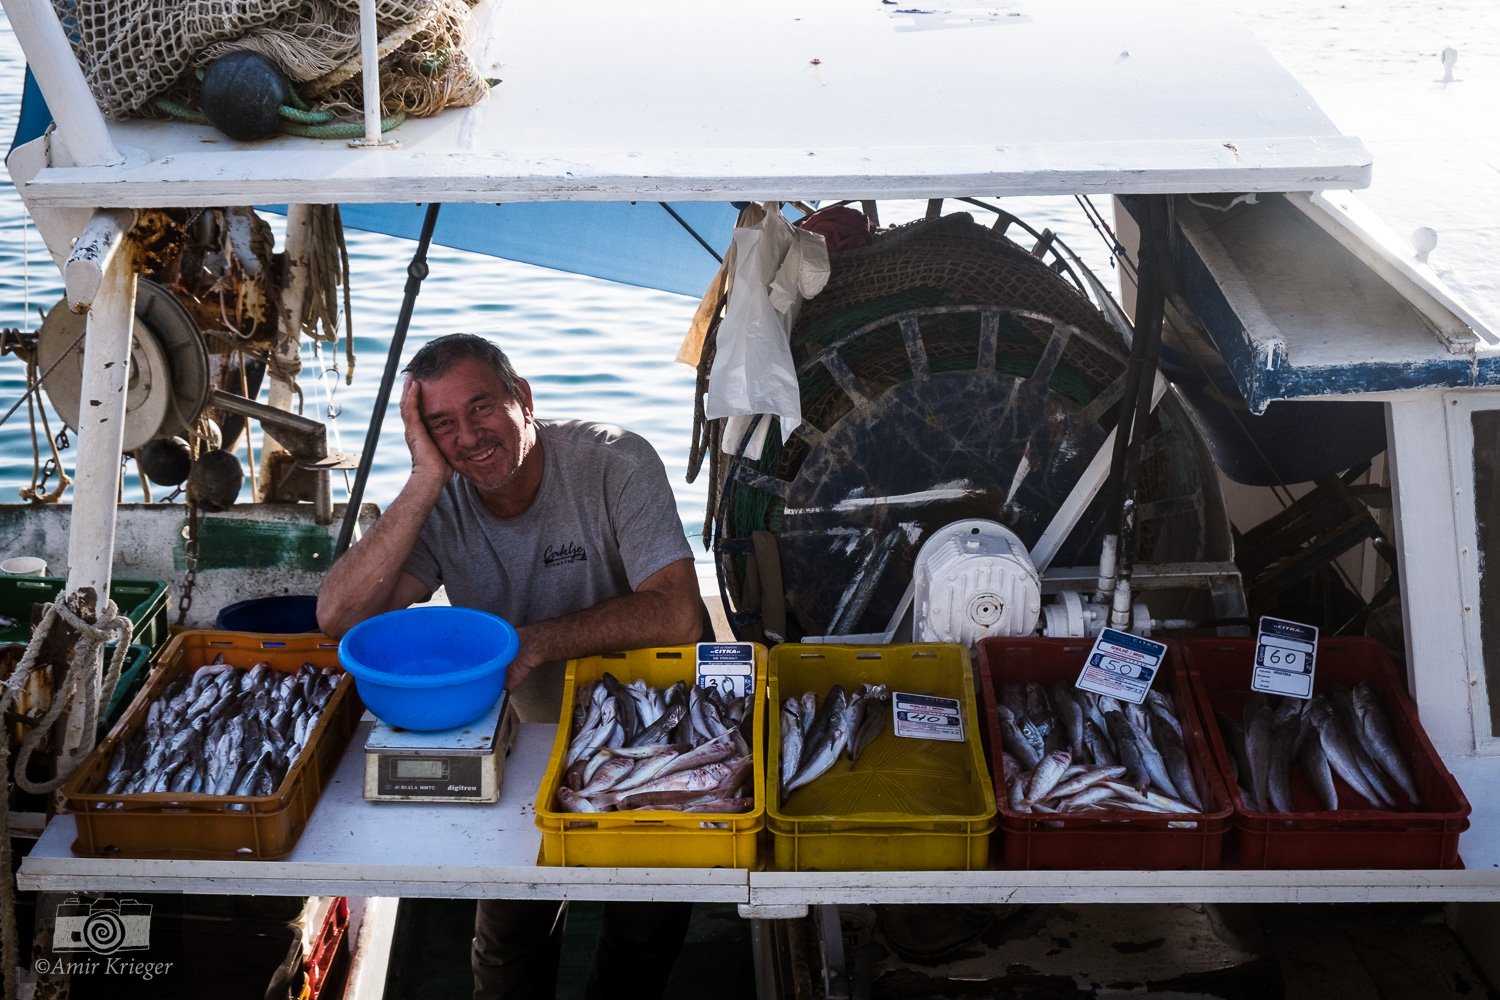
907,804
648,838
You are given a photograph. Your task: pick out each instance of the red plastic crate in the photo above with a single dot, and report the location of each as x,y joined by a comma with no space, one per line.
1103,838
324,946
1354,838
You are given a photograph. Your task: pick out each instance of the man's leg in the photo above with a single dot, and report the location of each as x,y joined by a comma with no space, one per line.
517,943
637,946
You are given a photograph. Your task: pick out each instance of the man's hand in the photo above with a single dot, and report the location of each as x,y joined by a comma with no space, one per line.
426,459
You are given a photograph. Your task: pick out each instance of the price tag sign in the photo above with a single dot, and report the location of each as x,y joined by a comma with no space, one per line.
927,717
728,666
1121,665
1284,656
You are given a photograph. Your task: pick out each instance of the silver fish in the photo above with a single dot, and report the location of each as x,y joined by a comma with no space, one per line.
1338,749
818,757
1315,766
1259,721
1376,734
1046,775
791,738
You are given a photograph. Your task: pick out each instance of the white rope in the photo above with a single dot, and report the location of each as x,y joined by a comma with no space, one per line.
82,674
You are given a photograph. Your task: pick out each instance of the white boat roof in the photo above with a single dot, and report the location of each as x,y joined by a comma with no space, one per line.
781,99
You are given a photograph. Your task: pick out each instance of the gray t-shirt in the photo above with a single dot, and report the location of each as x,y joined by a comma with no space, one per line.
603,521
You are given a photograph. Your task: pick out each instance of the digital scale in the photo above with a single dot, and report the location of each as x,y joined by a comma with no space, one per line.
456,765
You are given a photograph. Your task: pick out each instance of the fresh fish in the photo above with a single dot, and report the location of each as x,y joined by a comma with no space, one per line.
607,775
1128,748
571,801
1071,714
1376,735
1097,744
1046,775
1156,765
1234,742
699,779
1087,778
1342,700
1014,742
1160,705
818,757
1286,724
1315,766
1259,720
1092,795
1168,740
1338,749
791,738
871,724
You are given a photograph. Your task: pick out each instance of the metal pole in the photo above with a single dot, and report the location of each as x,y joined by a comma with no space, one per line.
369,54
415,272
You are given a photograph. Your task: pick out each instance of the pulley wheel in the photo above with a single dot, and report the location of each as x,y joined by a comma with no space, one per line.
168,380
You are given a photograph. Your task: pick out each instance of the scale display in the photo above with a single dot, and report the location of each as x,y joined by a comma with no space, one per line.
457,765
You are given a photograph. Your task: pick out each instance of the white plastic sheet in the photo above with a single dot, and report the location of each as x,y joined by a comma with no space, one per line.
775,266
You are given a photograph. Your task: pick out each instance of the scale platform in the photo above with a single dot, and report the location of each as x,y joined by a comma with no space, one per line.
456,765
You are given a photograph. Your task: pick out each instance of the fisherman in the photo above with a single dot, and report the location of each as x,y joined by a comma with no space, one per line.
566,529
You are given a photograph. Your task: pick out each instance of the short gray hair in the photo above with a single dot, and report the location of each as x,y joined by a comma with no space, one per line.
438,356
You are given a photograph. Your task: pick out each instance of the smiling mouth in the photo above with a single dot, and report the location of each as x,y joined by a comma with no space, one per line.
482,456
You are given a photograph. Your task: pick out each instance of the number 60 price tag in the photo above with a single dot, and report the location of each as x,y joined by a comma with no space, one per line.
1284,656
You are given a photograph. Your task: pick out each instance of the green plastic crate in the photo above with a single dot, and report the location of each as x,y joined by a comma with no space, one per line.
144,602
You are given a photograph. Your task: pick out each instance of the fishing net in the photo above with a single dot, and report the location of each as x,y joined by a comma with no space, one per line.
138,54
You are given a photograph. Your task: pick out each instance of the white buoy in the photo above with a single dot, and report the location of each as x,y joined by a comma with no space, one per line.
1450,56
1423,241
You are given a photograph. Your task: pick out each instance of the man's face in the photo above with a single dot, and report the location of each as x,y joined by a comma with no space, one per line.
482,431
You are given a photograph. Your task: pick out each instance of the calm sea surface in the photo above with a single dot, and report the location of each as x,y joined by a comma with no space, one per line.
600,350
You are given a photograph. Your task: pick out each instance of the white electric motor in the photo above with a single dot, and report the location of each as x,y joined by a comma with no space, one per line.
974,579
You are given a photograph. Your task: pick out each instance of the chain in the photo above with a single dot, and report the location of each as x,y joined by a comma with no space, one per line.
186,600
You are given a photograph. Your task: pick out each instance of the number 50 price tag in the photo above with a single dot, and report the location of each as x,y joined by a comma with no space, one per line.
1284,656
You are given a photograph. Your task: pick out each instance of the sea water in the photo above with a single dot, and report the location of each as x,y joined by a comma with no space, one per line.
598,350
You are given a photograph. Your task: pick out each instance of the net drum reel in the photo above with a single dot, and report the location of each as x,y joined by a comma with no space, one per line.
947,374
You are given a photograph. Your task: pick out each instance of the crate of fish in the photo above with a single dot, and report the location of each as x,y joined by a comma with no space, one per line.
222,754
144,602
1090,782
859,785
651,770
1345,779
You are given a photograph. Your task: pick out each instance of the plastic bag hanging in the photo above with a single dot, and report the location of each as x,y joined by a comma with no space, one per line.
776,267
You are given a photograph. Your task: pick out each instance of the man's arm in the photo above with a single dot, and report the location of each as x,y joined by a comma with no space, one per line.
665,610
368,578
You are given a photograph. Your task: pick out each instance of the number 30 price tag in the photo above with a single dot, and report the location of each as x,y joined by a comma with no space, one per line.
1284,656
727,666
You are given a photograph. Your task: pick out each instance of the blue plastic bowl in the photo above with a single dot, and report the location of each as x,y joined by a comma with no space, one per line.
429,668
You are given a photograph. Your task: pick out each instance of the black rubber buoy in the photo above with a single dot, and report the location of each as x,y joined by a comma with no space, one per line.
216,480
165,461
243,93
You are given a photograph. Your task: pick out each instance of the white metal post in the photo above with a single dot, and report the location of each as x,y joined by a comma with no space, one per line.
288,336
369,54
1423,494
81,130
108,275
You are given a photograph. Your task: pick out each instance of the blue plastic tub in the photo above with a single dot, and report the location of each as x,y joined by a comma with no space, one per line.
429,668
283,614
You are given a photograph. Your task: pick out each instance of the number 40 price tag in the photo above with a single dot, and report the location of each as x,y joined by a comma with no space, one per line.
1284,656
728,666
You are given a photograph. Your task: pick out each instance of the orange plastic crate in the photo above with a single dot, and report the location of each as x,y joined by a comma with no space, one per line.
196,825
